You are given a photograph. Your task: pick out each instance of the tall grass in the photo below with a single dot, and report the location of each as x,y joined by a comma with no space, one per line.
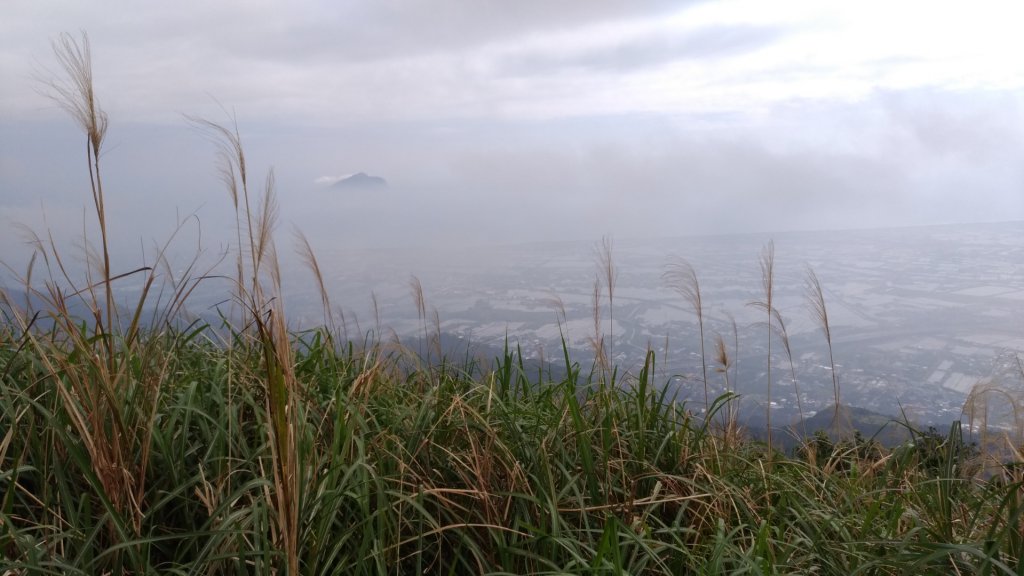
257,290
816,297
682,278
245,448
606,271
767,263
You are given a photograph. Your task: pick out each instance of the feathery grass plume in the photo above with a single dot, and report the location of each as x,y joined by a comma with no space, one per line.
266,218
232,170
606,268
816,297
308,258
75,92
767,264
730,426
682,278
555,302
977,405
421,311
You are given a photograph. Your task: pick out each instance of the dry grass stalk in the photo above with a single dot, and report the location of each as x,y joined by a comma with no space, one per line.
682,278
258,290
783,334
725,364
733,408
421,311
597,340
767,264
111,409
555,302
976,406
308,257
75,92
282,398
816,297
233,173
606,267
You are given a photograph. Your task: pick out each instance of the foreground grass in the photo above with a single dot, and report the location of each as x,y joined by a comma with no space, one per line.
452,469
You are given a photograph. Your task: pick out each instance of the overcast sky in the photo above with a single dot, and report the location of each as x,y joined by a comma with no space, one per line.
497,121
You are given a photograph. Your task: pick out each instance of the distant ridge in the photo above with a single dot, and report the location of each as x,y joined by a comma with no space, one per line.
361,181
887,430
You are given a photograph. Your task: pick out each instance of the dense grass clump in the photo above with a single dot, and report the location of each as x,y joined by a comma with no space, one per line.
454,469
135,440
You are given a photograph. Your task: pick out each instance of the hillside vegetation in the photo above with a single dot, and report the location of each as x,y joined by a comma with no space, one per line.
135,439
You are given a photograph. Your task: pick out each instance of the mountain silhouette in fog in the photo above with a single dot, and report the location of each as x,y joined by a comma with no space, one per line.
361,181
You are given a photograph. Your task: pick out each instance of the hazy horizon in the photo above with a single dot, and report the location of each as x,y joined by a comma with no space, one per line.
501,123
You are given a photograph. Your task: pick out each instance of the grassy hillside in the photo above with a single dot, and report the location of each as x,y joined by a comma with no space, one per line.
447,470
133,440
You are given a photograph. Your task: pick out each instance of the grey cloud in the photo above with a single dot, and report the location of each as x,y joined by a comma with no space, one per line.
651,50
329,180
360,29
333,32
369,31
310,62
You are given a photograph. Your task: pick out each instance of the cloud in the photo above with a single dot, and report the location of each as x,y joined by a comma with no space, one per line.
394,29
648,49
511,120
330,180
316,62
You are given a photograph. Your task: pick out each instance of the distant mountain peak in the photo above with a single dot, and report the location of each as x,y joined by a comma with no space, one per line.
361,181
